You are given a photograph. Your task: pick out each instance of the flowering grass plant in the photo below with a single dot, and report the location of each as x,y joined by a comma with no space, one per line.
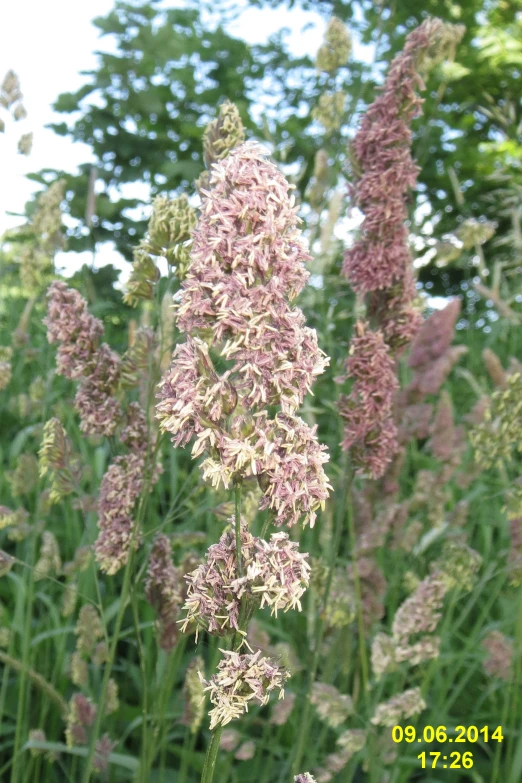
254,516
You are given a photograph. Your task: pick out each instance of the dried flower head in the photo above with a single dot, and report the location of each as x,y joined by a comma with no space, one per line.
332,706
138,358
79,670
49,561
69,598
329,111
14,519
119,490
46,222
500,655
37,735
25,144
80,357
459,565
393,711
276,575
341,608
431,356
241,679
382,655
6,353
81,715
447,441
282,710
102,752
24,478
230,739
246,751
89,630
111,697
420,613
194,696
80,562
500,432
10,91
143,278
385,171
247,263
163,589
370,431
494,367
56,460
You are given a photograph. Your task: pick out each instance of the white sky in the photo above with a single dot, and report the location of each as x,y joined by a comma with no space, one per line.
47,43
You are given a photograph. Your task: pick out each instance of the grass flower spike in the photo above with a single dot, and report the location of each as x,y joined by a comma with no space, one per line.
247,264
241,679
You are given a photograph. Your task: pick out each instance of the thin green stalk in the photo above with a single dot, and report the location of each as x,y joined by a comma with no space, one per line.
513,693
125,593
358,600
24,671
498,749
211,756
188,749
161,724
344,491
108,666
213,748
145,754
161,695
266,525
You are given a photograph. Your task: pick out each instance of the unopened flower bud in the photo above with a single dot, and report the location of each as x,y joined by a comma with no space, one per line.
222,134
336,48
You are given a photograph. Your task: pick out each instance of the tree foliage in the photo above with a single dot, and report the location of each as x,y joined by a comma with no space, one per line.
144,108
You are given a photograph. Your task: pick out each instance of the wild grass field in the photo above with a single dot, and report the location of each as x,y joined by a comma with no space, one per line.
261,504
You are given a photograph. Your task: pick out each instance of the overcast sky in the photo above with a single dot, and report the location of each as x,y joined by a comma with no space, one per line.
47,43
